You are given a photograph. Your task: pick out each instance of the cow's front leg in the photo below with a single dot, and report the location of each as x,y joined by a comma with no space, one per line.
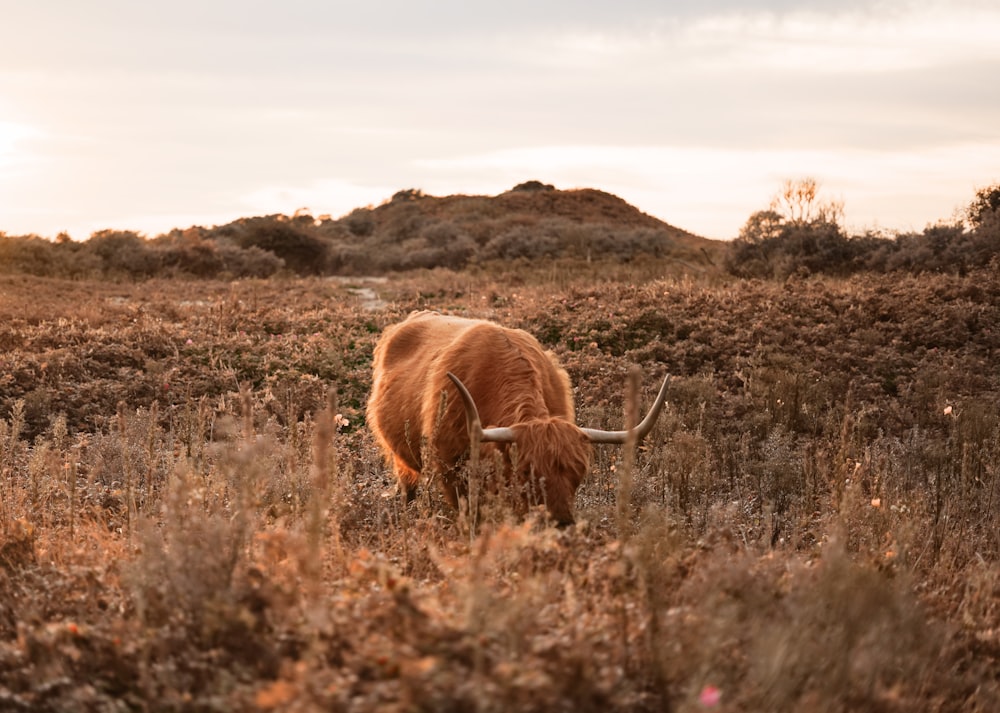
407,479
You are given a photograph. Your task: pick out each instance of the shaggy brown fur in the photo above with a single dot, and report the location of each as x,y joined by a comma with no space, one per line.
514,383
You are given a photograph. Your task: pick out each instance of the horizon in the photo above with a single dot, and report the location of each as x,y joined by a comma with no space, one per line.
155,117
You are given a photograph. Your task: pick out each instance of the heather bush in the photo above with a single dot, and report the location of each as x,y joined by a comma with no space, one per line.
288,239
521,242
252,262
193,521
812,248
360,222
124,254
189,253
32,255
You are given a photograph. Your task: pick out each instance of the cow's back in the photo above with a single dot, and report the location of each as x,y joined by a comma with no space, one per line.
510,376
402,384
415,342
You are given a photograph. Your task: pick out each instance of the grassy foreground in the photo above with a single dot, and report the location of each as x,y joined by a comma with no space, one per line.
192,512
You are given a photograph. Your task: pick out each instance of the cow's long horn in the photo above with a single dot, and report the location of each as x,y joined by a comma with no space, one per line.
641,431
495,435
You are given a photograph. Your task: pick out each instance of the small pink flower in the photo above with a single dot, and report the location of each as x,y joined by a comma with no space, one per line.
710,696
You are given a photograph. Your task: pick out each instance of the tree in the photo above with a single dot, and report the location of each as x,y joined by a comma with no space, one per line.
302,251
797,202
762,225
798,231
984,206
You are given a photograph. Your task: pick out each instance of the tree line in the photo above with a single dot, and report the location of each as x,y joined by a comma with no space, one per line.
799,233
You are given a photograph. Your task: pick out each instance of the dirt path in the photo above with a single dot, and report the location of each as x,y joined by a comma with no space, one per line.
363,289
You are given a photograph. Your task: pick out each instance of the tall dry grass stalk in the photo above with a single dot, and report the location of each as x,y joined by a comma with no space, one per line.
327,498
10,445
626,474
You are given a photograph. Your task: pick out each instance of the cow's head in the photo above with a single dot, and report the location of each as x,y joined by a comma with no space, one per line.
552,455
544,463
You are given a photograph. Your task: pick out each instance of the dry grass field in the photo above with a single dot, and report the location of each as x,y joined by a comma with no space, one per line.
193,514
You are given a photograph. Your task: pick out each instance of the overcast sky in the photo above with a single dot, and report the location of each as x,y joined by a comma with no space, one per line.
153,115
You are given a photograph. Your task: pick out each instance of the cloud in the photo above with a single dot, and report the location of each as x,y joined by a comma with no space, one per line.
808,42
14,139
195,108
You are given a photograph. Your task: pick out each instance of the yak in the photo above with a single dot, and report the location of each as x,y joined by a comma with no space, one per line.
504,379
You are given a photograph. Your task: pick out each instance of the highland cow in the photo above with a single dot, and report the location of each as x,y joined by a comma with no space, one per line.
503,378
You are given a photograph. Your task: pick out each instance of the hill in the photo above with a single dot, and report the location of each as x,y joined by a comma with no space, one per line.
411,230
532,220
526,201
